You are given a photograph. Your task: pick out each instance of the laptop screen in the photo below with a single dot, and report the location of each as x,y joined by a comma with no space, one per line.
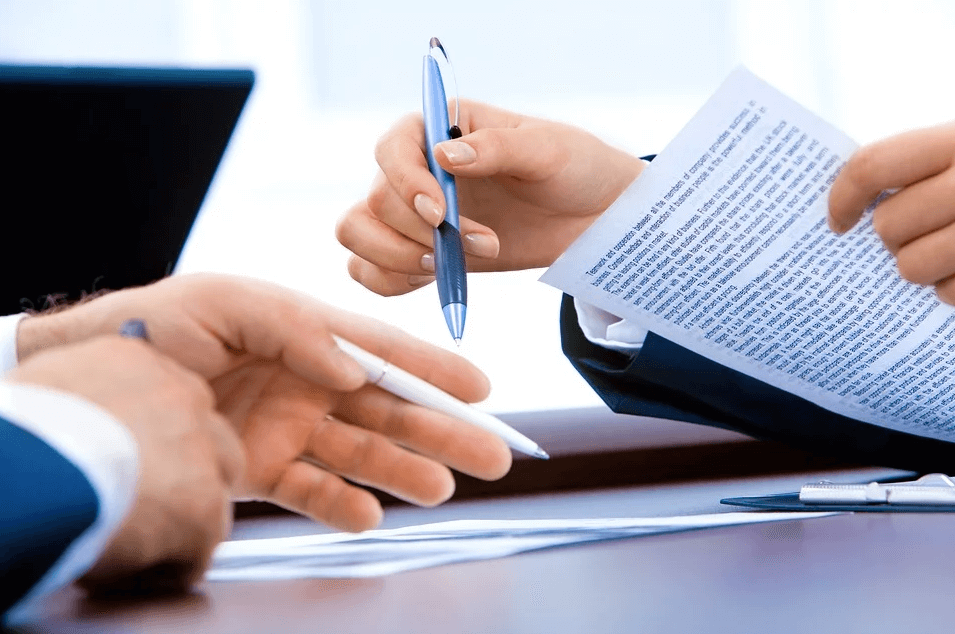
105,172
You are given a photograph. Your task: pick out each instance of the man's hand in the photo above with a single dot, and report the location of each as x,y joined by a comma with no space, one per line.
310,424
527,188
916,222
190,458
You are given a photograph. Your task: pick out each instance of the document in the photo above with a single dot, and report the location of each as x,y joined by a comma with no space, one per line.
721,246
383,552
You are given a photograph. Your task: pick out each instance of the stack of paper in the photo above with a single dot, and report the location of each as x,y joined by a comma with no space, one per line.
383,552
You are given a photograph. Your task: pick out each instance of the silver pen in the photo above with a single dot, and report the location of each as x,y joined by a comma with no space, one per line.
405,385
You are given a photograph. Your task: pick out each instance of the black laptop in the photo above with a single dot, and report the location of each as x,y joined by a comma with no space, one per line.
104,173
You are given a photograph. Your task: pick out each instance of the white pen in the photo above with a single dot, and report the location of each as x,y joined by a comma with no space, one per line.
405,385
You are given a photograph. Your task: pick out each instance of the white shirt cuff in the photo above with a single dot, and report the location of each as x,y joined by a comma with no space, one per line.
100,447
608,330
8,341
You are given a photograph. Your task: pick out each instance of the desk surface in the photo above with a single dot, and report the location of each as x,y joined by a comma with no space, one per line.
848,573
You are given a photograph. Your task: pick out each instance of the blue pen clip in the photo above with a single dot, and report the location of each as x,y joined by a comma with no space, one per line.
450,268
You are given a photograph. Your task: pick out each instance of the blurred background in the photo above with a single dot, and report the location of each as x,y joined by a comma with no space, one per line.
332,76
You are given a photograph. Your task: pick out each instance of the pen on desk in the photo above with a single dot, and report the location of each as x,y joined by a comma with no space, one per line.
450,269
411,388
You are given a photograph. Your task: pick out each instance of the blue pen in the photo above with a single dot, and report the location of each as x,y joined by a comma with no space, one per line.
450,269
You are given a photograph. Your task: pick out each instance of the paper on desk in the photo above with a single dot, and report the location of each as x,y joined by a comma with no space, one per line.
722,247
383,552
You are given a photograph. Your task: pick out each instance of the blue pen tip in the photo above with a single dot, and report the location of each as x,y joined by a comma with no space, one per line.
454,315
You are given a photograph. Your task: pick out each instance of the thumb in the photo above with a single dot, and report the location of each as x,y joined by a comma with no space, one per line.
527,153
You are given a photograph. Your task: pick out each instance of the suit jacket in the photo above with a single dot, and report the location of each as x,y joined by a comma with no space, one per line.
664,380
45,504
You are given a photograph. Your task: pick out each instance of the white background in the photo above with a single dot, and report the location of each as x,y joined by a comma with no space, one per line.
333,75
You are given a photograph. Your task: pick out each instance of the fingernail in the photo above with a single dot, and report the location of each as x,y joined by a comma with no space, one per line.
458,152
420,280
481,245
427,262
428,209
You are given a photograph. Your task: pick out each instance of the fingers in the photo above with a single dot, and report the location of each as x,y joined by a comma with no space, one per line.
916,210
945,289
895,162
392,239
531,153
455,443
445,369
370,458
384,282
388,207
363,233
165,548
326,498
929,259
400,153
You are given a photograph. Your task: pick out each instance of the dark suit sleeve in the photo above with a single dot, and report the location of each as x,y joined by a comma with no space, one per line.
45,504
665,380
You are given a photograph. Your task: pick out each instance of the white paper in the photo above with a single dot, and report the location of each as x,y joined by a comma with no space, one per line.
721,246
383,552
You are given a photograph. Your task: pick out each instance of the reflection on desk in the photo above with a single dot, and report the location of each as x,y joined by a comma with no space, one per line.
847,573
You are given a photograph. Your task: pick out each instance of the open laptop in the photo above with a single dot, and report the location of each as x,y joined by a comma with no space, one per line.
105,171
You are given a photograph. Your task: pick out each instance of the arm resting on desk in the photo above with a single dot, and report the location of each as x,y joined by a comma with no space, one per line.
45,504
664,380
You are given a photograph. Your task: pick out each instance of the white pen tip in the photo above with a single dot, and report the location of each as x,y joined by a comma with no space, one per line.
540,453
457,342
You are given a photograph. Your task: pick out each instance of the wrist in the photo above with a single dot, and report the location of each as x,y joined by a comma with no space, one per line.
39,332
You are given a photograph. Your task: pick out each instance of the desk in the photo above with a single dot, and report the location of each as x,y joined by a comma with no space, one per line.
850,573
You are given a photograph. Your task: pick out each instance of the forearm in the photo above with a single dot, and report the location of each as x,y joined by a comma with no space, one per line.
63,495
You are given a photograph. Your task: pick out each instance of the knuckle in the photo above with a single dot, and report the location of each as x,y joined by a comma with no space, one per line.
377,198
383,146
372,277
344,230
362,453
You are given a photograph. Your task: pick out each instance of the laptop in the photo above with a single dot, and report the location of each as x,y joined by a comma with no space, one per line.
105,172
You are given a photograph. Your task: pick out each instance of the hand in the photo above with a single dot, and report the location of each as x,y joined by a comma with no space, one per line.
917,222
189,458
526,189
309,423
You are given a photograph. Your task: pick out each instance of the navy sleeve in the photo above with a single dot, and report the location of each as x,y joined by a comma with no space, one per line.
45,504
664,380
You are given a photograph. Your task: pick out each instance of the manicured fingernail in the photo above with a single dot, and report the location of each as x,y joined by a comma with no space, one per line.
420,280
458,152
428,209
427,262
481,245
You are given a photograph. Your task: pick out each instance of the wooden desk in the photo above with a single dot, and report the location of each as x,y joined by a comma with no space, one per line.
850,573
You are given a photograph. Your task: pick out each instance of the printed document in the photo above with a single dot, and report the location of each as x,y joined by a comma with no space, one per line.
721,246
388,551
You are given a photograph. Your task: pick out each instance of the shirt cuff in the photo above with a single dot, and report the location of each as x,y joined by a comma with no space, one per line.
8,341
607,330
100,447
